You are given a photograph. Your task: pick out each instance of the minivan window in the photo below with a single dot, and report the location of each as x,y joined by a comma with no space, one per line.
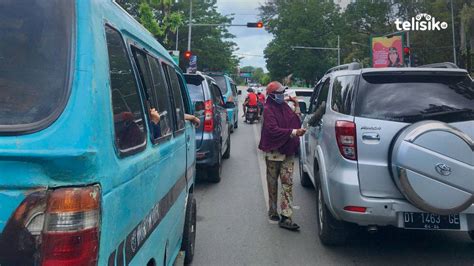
216,95
342,93
162,97
177,97
412,98
196,93
36,39
222,83
126,103
150,97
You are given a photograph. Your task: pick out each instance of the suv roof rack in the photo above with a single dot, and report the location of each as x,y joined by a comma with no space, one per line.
350,66
441,65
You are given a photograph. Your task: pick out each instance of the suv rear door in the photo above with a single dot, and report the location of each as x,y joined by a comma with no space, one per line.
387,102
196,89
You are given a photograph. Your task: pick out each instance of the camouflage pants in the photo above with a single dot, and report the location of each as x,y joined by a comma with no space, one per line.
284,170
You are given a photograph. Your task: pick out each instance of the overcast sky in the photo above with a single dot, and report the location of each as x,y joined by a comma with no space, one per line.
250,41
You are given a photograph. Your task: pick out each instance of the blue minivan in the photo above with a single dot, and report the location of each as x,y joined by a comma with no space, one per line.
88,174
229,92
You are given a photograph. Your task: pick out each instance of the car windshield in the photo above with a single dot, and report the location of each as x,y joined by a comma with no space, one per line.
222,83
411,98
35,52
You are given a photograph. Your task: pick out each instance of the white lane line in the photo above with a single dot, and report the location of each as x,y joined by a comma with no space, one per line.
261,165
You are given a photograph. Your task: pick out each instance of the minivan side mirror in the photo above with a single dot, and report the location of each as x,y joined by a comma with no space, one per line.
229,105
303,108
239,92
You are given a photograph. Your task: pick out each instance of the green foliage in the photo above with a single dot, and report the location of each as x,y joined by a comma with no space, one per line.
167,19
318,22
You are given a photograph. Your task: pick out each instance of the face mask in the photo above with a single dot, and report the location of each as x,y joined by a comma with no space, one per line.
278,98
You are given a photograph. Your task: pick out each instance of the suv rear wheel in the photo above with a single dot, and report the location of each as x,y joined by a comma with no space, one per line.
227,151
214,172
331,232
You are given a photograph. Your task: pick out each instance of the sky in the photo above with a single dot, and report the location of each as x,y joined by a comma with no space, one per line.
250,41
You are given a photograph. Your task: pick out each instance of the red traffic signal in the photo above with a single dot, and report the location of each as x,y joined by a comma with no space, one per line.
406,51
255,25
187,54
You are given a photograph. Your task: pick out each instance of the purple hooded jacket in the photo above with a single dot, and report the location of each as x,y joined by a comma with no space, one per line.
278,123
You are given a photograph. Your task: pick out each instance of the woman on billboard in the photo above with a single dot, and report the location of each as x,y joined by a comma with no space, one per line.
393,58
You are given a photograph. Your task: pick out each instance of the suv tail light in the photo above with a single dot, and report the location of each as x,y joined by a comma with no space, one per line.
346,139
208,116
56,227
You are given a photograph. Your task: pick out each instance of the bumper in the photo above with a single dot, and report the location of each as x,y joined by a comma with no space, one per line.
380,211
207,153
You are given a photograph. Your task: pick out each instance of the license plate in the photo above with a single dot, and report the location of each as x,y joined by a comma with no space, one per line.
419,220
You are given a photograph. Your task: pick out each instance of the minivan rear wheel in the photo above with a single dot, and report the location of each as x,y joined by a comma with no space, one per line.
189,233
331,232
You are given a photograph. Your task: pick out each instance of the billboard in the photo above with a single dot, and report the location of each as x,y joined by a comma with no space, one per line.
387,51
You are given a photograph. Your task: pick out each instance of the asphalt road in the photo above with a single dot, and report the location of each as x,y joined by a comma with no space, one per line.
233,228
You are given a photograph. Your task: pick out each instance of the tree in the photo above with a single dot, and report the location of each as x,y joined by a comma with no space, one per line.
165,18
304,23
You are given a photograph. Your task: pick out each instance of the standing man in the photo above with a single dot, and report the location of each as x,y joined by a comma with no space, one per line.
280,141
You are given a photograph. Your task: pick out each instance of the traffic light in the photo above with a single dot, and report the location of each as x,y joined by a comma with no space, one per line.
187,55
255,25
406,56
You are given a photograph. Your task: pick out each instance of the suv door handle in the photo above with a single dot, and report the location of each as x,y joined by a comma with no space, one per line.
370,136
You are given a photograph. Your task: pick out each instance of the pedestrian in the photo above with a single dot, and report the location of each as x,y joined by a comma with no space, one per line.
279,140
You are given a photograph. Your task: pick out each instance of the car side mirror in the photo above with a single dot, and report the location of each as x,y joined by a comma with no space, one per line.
229,105
239,92
303,108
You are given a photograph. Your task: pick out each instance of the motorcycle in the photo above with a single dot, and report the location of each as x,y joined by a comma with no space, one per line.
252,114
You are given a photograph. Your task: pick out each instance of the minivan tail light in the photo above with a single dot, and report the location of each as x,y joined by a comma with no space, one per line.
71,231
346,139
208,116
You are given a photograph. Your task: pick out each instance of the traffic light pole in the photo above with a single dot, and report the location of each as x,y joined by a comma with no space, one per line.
338,49
190,23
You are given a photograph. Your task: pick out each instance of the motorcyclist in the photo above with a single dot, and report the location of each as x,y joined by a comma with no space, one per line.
261,101
250,101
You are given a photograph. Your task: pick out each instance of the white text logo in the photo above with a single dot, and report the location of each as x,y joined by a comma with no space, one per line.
421,22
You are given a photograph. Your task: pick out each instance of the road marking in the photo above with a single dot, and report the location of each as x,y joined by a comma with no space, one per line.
261,165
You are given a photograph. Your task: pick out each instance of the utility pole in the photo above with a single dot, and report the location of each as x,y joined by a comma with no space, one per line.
190,23
338,51
452,27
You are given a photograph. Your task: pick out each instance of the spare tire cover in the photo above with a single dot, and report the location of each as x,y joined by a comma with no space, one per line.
432,164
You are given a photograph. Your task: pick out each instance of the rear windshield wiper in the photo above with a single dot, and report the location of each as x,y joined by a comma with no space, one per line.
435,114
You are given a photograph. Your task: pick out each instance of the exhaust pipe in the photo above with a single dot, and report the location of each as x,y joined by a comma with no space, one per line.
372,229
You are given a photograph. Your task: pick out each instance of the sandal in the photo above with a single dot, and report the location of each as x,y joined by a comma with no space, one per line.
274,217
287,223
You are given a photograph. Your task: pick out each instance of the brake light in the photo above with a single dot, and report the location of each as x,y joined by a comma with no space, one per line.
346,139
71,231
208,116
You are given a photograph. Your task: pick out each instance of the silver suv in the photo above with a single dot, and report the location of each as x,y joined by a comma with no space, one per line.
391,147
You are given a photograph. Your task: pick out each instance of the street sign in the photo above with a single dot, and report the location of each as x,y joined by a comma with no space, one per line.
192,64
245,74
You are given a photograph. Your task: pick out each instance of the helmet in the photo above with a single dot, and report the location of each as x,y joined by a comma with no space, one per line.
275,86
249,90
